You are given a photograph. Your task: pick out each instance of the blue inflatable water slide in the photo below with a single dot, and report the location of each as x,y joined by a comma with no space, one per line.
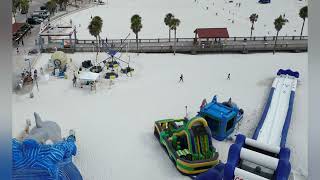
264,156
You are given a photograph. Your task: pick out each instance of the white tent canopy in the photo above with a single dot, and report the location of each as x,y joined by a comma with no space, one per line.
88,76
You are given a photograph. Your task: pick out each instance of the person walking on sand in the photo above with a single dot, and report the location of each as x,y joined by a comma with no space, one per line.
181,78
228,78
17,50
35,74
204,103
186,117
74,80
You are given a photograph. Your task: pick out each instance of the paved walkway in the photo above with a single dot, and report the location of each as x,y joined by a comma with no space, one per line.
185,46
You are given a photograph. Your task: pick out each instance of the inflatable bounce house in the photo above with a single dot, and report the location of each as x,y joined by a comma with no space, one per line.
221,117
188,144
264,1
43,155
58,64
264,156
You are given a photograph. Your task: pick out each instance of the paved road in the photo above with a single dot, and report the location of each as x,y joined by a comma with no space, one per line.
34,5
18,59
29,41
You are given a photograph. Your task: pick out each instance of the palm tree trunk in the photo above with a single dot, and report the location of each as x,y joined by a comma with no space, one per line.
137,43
99,42
175,41
169,34
97,50
302,28
275,43
251,31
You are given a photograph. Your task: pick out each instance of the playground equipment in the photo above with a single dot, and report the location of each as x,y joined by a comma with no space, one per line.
58,63
86,64
188,144
264,156
221,117
43,154
112,63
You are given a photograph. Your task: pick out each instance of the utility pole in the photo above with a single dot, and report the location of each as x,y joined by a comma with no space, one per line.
29,64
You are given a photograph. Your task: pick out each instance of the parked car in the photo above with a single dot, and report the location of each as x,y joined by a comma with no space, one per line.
24,12
44,7
42,10
38,18
33,51
39,15
33,21
43,13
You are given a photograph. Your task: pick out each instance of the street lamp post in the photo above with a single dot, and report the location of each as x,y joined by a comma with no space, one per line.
29,63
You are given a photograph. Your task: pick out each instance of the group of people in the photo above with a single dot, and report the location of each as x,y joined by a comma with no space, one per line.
238,4
91,83
26,77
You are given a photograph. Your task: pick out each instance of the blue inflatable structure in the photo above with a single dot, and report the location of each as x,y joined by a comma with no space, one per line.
35,161
280,172
264,156
43,154
221,117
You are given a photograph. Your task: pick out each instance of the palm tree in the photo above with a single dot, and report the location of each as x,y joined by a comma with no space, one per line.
175,22
100,21
65,2
278,24
15,6
167,21
303,14
52,6
62,4
136,26
95,27
24,6
253,18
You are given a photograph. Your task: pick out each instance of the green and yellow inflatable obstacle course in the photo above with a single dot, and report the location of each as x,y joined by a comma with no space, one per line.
188,143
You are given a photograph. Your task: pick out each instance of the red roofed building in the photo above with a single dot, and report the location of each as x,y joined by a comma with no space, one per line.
209,36
206,33
16,27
